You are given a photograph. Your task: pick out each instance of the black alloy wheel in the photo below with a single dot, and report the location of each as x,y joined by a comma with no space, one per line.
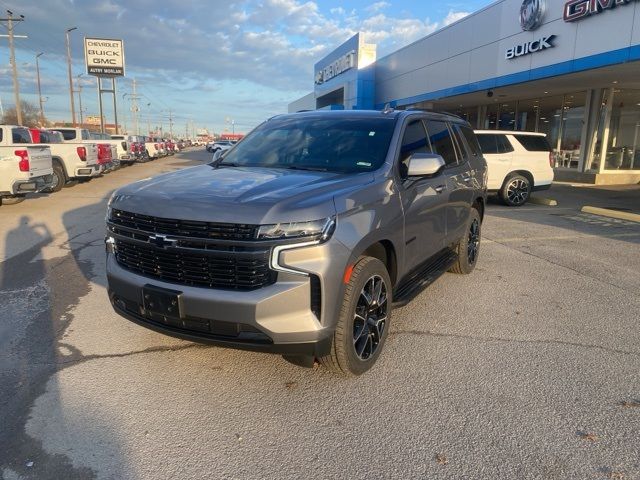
473,243
370,317
517,192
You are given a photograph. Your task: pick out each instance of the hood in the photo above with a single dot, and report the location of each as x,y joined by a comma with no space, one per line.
239,194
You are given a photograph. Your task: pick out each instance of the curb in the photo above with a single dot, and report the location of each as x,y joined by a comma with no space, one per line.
607,212
543,201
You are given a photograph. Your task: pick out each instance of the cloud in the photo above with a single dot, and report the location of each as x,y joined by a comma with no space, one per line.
377,6
453,17
177,49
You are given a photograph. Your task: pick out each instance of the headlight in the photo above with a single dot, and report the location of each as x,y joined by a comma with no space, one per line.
322,228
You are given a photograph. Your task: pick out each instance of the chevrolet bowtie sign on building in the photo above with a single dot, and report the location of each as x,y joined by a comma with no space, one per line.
104,57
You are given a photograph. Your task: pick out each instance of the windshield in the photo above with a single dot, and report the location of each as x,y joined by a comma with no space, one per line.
345,145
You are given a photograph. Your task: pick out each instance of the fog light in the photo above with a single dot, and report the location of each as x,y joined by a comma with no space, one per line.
110,244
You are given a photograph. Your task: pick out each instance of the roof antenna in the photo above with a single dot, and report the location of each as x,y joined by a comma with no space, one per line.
387,108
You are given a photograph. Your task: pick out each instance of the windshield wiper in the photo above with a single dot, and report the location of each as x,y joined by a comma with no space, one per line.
227,164
312,169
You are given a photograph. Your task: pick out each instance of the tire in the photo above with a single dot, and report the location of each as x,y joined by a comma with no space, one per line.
357,343
515,191
468,247
59,178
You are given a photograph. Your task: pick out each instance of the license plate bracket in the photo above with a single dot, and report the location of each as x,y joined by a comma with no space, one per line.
162,302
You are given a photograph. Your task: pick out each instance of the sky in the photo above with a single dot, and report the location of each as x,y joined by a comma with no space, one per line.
220,65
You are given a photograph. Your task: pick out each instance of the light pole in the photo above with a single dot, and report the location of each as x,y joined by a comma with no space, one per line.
80,98
39,90
73,107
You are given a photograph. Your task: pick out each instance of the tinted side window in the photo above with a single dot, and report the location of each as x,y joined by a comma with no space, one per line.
68,134
504,146
21,135
414,140
441,141
494,143
534,143
487,143
472,141
85,135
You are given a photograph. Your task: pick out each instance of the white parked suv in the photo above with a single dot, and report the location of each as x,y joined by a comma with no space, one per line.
518,163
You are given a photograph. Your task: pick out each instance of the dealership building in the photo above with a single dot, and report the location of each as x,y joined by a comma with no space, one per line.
567,68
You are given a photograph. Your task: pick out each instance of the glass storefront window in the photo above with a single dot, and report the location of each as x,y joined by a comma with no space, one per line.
623,146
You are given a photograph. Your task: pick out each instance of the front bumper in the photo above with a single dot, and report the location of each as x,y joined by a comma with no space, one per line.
278,318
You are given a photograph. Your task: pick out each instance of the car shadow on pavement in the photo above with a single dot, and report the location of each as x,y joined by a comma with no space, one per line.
38,295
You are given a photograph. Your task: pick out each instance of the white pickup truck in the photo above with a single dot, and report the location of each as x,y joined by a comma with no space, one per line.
24,167
71,160
152,148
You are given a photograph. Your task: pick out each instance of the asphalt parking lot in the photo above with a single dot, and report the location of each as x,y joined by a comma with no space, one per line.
527,368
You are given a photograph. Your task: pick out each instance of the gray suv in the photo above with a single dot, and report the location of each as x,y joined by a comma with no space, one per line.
301,238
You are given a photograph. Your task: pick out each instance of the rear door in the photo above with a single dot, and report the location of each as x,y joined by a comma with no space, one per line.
424,200
456,176
498,153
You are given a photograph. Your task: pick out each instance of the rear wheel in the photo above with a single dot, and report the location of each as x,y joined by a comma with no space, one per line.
516,190
363,324
59,178
468,247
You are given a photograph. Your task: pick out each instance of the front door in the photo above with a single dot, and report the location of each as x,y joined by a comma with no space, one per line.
424,201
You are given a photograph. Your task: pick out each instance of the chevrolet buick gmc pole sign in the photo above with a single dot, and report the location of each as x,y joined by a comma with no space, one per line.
104,57
531,16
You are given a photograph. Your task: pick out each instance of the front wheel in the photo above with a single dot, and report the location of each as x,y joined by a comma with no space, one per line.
363,324
468,247
516,191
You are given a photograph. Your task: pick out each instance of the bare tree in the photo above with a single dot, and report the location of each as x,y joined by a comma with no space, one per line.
30,115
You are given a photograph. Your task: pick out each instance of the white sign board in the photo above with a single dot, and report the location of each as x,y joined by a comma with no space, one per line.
104,57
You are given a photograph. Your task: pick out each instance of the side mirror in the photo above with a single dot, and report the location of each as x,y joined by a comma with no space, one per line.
217,155
425,165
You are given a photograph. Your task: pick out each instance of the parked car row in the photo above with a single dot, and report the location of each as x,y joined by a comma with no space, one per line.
45,160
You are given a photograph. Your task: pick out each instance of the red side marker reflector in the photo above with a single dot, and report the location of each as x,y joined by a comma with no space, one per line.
347,274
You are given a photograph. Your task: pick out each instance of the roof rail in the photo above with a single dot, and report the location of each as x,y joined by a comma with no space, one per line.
416,109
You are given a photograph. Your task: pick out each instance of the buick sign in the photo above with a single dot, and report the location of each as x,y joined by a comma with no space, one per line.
530,47
531,13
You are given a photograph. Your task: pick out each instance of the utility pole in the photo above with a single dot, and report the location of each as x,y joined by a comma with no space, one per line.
80,99
73,107
170,126
12,56
39,90
134,108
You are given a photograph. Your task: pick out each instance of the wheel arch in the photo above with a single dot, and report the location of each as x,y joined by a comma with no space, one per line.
58,160
384,251
478,204
525,173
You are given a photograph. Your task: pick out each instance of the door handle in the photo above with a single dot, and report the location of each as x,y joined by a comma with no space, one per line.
440,188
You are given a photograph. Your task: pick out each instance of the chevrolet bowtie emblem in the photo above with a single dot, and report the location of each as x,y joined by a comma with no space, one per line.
161,241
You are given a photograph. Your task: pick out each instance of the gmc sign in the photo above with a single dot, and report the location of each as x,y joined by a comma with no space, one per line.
578,9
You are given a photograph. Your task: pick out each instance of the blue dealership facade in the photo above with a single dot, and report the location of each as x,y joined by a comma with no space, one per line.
567,68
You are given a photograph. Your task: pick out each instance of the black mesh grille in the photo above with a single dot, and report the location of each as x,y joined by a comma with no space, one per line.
184,228
245,270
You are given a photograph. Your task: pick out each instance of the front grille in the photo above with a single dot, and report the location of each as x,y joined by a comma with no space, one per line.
184,228
242,270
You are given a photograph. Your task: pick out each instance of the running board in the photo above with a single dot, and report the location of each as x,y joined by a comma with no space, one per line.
421,278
